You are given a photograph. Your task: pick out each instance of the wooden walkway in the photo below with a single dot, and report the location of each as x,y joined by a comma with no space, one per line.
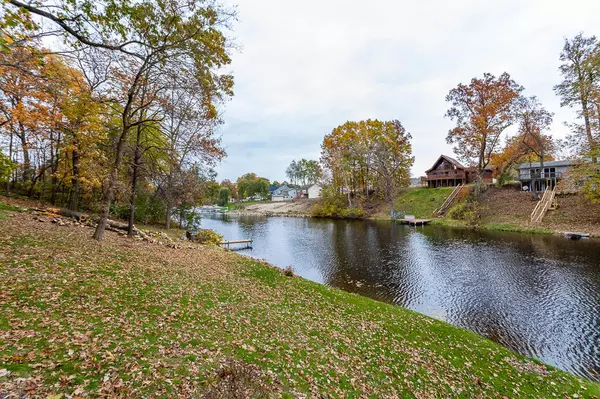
234,242
414,222
547,202
576,235
448,202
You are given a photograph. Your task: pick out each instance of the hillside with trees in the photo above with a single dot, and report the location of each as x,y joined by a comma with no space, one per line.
121,117
367,162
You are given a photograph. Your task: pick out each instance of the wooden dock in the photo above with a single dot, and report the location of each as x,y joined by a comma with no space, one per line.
576,235
414,222
234,242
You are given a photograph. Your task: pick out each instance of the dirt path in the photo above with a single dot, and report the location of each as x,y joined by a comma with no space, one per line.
297,207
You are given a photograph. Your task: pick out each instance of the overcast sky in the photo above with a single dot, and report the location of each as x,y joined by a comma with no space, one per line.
305,67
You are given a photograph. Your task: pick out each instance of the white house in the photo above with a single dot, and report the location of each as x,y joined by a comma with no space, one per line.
284,193
314,191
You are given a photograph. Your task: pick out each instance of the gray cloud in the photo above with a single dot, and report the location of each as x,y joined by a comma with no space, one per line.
307,67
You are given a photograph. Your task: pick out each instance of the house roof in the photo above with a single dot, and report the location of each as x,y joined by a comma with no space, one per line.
549,164
447,158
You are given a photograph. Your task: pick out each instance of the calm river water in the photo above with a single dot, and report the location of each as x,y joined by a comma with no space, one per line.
538,295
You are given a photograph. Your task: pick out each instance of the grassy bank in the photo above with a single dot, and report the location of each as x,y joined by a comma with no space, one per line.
421,202
514,228
133,319
504,209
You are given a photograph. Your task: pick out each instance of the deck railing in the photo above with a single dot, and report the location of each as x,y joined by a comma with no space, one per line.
530,175
445,174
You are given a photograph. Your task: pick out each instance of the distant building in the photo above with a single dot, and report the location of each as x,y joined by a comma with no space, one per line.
284,193
314,191
531,174
415,181
448,172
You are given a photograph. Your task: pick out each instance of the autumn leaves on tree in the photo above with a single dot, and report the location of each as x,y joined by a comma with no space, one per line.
120,116
131,92
367,157
483,111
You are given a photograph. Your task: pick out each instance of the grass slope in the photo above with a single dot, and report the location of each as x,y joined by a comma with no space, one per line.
421,202
125,318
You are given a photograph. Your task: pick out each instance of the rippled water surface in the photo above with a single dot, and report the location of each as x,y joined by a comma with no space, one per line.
538,295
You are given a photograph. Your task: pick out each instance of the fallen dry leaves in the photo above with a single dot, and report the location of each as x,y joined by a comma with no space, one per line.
128,318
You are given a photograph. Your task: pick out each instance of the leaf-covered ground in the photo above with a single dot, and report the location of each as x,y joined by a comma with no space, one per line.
125,318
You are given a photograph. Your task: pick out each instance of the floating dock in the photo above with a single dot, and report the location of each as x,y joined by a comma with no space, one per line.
414,222
227,244
576,235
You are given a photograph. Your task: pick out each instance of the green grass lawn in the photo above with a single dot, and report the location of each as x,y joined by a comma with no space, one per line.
421,202
514,228
6,208
124,318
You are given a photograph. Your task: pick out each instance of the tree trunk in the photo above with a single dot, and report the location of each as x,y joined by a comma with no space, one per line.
388,193
26,159
112,182
54,170
134,177
583,97
347,192
168,216
588,127
75,185
10,156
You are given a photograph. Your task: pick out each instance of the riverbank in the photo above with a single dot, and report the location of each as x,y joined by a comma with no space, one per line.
298,207
130,318
500,209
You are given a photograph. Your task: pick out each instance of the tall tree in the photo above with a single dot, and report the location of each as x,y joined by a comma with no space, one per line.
303,172
534,120
189,126
355,149
292,172
178,37
24,105
392,157
482,111
250,185
580,81
232,187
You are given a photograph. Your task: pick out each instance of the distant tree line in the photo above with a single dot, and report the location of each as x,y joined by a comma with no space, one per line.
304,172
366,158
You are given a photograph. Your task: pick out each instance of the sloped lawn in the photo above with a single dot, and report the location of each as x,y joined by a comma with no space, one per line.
125,318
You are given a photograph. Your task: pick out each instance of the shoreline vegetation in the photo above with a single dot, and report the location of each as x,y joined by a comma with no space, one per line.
499,209
128,318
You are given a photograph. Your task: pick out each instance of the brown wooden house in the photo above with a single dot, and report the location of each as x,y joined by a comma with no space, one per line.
448,172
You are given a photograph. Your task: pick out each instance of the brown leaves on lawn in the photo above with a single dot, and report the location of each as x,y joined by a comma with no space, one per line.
130,318
239,380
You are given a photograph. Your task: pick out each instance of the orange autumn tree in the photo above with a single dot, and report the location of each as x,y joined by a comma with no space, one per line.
531,143
82,125
482,111
24,106
52,126
367,155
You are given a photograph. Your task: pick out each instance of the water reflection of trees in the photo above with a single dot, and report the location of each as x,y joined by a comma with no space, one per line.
534,294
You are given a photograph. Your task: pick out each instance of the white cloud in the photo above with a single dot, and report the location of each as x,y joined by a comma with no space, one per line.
307,67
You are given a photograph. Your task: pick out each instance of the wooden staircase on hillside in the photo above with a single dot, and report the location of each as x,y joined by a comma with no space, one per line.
446,205
547,202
